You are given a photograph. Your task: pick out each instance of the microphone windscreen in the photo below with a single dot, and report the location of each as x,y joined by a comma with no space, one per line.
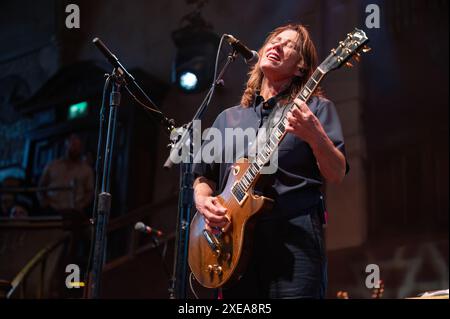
254,59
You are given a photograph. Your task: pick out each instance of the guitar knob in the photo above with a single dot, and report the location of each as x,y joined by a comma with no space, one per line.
218,270
210,269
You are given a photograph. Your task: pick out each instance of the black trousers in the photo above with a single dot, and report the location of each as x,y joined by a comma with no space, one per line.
288,259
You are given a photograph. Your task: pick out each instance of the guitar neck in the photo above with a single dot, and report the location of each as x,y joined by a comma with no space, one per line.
276,136
311,85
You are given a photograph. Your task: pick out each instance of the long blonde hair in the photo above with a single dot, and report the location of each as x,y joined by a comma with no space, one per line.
308,56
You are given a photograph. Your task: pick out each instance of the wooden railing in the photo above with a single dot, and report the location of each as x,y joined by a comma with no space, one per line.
17,287
19,282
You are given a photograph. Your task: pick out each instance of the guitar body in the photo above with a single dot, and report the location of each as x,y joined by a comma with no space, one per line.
219,260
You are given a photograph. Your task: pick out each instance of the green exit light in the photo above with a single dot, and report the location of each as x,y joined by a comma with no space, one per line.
77,110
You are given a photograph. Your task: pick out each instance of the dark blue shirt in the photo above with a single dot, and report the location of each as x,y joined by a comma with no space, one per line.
296,183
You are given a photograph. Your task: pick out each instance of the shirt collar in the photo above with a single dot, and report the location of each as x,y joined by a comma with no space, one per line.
258,99
270,103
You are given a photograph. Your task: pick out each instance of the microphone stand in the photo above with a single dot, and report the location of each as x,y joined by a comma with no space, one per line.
102,199
177,287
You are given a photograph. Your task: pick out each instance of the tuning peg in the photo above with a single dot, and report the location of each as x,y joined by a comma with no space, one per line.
357,57
366,49
349,64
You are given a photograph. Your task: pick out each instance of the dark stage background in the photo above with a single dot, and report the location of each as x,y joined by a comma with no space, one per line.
391,210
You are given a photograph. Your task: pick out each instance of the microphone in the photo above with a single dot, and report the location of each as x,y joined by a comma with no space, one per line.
140,226
106,52
111,58
250,56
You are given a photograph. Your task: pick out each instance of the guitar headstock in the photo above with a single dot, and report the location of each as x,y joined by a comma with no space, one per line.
342,295
377,293
351,46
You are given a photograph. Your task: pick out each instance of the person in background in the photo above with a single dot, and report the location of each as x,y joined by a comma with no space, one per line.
73,205
69,171
13,204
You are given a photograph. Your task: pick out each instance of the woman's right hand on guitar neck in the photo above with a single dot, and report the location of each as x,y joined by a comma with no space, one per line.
213,212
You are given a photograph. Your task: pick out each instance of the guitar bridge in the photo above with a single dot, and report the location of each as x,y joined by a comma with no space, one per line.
213,242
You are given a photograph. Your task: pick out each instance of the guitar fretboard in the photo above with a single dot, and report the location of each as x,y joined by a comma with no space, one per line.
276,136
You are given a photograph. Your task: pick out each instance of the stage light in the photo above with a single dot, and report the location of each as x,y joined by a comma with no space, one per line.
188,81
193,68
